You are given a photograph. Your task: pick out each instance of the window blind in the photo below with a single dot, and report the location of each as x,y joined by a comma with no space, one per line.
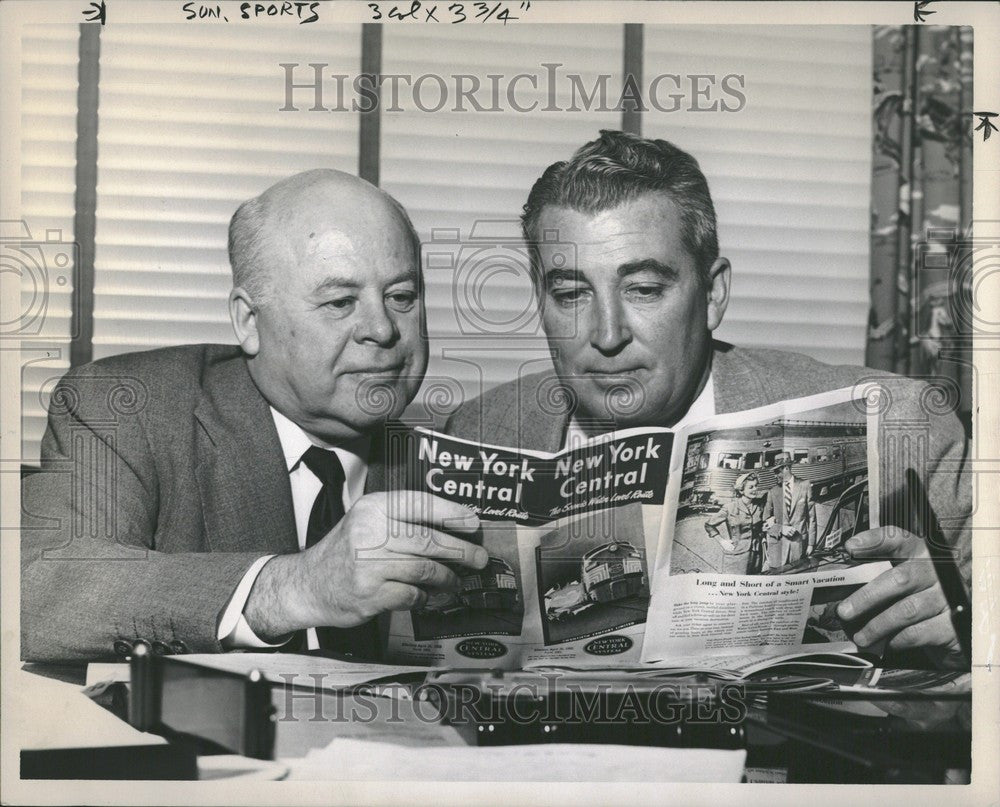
189,127
464,176
789,174
48,159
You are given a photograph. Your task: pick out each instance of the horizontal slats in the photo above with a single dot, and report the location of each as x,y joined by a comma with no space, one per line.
190,127
789,173
48,160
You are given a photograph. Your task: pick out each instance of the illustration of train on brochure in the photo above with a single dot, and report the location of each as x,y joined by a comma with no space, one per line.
570,538
645,544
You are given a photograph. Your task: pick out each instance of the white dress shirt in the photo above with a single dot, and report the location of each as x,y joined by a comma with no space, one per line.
702,408
234,631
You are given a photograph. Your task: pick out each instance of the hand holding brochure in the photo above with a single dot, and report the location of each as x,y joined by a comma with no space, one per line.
723,539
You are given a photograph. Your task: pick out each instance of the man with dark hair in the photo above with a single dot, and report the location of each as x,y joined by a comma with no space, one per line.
212,497
616,168
624,197
630,285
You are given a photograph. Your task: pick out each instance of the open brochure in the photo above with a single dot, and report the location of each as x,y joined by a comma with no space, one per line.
719,541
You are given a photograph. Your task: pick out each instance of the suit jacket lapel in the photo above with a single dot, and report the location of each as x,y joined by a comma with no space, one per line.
246,496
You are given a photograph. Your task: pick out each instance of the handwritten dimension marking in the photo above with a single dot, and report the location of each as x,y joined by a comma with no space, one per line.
453,13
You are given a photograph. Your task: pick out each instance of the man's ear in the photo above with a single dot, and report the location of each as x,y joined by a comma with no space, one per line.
243,314
718,292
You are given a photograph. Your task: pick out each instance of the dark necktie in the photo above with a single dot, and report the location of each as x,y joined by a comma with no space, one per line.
327,510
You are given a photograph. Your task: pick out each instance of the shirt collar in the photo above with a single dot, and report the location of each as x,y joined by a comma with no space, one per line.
353,455
702,408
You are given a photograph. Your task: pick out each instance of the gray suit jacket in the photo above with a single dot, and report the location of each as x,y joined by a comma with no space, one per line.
162,481
803,516
917,429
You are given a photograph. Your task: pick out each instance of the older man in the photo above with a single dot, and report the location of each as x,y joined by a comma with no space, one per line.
631,285
209,497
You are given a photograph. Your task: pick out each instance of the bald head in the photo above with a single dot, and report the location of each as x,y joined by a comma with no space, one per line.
327,303
318,210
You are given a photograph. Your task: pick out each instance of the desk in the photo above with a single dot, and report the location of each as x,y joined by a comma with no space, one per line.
787,739
63,734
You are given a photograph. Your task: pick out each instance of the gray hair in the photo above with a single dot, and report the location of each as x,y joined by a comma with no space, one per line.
248,244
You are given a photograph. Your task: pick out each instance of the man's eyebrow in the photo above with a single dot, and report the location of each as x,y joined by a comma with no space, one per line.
648,265
406,276
332,282
563,275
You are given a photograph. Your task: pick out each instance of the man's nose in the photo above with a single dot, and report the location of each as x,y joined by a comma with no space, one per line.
609,329
375,325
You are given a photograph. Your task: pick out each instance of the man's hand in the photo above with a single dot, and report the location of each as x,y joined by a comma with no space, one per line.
376,559
904,605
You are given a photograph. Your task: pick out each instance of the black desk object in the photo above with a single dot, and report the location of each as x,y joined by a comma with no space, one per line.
523,707
161,762
242,714
249,714
925,735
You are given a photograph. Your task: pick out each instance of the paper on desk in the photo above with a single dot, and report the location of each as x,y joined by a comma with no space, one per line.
68,719
315,672
106,673
345,759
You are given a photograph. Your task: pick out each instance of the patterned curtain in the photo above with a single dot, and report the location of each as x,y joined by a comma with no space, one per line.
922,205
